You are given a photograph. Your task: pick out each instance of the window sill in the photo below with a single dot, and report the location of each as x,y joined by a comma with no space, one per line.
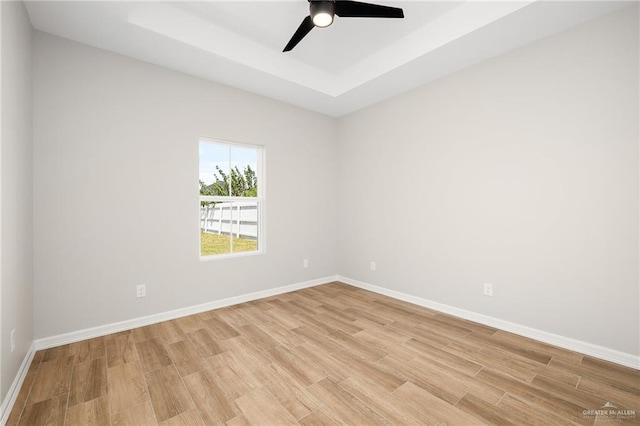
231,255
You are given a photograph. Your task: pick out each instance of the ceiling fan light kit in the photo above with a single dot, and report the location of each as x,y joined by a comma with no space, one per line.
321,13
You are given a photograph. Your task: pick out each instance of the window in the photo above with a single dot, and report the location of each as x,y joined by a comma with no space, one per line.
231,199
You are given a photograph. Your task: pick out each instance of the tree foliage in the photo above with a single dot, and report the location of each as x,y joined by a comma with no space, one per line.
236,184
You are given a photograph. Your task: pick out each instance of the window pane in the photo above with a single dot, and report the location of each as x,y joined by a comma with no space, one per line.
214,169
220,222
213,239
244,165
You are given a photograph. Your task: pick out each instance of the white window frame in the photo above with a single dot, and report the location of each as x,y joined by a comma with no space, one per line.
260,199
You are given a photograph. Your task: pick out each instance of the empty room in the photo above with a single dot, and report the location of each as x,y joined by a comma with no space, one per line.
319,212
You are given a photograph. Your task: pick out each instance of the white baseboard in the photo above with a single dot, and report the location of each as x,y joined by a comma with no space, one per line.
103,330
622,358
12,394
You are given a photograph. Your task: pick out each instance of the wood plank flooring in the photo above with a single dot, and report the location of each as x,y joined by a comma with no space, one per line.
331,354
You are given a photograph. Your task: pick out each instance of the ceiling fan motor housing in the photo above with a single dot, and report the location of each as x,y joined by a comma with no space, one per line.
322,12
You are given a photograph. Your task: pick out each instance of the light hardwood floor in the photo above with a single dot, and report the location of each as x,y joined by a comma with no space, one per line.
331,354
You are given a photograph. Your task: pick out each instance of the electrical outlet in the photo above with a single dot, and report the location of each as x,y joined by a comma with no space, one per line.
372,265
141,290
305,263
13,340
488,289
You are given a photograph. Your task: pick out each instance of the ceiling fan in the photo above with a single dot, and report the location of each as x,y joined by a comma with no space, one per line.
322,13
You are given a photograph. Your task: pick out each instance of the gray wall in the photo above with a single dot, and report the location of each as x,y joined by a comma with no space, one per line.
16,191
521,171
113,139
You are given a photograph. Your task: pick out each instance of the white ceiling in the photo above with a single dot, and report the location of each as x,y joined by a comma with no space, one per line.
336,70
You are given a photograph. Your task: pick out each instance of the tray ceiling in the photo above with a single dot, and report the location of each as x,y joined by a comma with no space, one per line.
335,70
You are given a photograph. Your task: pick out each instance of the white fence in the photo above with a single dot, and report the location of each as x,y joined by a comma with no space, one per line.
238,219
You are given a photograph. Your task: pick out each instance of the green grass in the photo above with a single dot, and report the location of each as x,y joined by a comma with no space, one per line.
212,244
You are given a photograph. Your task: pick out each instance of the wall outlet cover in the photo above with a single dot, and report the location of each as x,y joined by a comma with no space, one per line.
141,290
488,289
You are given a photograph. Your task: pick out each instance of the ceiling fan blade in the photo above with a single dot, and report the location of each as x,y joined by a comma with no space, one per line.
356,9
303,30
